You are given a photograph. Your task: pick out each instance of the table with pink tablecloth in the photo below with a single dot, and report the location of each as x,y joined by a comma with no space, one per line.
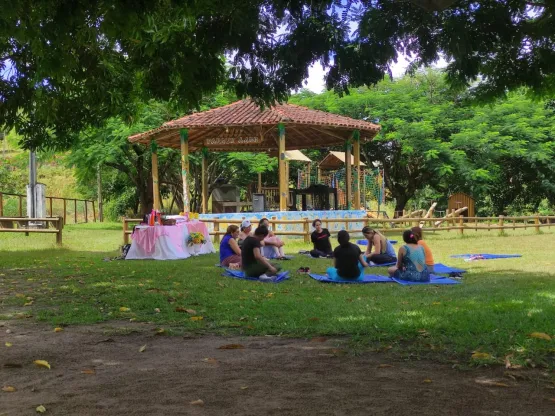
168,242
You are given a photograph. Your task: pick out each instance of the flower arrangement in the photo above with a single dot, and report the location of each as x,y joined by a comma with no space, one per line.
195,238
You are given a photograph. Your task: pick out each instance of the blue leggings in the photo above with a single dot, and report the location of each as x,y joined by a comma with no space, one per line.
332,273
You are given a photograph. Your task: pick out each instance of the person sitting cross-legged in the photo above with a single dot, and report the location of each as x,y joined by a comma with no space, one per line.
411,261
321,239
348,261
230,253
253,262
272,245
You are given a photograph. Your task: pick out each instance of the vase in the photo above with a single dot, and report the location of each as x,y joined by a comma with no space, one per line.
196,249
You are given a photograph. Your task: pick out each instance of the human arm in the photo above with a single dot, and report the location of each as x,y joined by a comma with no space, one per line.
234,246
261,259
362,260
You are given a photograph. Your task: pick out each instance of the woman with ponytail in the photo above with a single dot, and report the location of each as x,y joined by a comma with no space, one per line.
379,249
411,261
348,260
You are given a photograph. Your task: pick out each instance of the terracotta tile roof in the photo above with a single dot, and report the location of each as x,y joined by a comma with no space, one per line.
242,117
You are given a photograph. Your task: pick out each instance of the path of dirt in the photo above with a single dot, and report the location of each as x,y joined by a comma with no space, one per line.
270,376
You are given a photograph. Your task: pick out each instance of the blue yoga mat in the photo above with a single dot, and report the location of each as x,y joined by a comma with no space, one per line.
443,269
238,274
367,279
434,280
365,242
487,256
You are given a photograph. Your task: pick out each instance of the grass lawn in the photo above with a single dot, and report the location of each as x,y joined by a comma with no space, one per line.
494,311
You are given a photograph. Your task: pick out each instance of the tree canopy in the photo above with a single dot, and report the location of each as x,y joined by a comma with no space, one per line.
68,65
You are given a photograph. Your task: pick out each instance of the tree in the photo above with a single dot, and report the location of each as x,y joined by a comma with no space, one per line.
418,116
510,150
69,65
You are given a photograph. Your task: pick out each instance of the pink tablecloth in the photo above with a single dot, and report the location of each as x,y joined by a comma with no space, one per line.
168,242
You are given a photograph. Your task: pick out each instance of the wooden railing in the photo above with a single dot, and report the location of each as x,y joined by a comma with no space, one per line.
384,225
22,225
21,211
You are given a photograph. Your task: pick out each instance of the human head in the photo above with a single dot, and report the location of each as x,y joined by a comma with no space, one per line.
343,238
264,221
233,230
261,232
417,231
246,226
317,223
368,232
409,237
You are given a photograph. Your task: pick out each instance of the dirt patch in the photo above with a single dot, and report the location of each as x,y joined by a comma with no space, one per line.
100,370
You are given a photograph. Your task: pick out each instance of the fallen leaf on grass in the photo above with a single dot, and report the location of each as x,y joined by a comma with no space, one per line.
58,329
42,363
481,356
231,347
143,348
490,383
189,311
41,409
426,380
198,402
196,318
9,389
540,335
88,371
8,344
161,331
210,361
124,309
436,303
28,303
246,387
385,366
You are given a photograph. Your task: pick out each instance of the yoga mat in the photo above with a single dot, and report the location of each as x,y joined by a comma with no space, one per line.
367,279
443,269
486,256
434,280
365,242
238,274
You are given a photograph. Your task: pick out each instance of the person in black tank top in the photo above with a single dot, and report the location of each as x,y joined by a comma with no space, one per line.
321,239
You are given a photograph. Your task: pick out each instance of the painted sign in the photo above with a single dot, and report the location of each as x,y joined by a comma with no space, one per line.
230,141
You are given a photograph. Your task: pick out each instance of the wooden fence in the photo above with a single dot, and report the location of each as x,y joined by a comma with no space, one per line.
67,202
459,224
22,225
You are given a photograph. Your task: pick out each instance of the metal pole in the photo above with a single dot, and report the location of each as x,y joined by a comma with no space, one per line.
32,183
99,186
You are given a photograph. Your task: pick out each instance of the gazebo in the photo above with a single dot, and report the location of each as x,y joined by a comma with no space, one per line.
243,126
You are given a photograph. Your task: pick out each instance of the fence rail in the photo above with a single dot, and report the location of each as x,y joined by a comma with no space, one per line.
460,224
23,225
21,210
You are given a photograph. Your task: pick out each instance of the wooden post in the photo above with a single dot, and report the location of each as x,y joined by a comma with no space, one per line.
86,212
65,211
20,206
155,184
1,205
75,210
204,180
283,192
356,151
308,169
216,230
99,194
94,212
125,235
461,225
51,210
537,223
306,231
184,137
259,188
348,174
318,175
59,227
501,222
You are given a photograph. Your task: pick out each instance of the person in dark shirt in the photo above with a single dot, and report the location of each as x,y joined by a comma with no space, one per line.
348,261
321,239
253,262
